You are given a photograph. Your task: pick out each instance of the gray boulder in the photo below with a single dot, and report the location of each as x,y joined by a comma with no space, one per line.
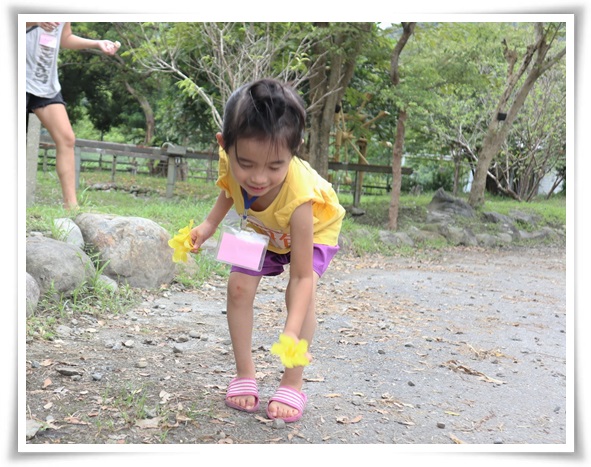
68,231
57,264
445,204
33,294
131,250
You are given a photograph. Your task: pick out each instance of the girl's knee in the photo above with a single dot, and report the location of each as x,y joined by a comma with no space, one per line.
239,292
66,140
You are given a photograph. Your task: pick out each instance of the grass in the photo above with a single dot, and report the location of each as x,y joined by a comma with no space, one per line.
192,200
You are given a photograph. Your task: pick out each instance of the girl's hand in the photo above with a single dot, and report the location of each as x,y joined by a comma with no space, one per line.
109,47
200,234
197,238
49,27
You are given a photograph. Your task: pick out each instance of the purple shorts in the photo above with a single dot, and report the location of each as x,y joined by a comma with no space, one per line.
274,262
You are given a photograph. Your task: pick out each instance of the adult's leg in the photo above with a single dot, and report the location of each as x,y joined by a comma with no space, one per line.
54,118
240,300
293,377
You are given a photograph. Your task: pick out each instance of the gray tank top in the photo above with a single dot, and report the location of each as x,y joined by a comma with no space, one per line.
42,53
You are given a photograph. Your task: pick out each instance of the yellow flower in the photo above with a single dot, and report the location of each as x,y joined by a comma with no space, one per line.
181,243
291,354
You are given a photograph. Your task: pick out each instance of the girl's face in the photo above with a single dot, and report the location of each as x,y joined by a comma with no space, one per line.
259,166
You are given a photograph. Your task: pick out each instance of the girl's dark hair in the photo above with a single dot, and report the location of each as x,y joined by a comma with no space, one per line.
266,109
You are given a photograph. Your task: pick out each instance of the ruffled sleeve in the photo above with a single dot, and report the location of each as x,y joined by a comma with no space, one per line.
325,206
223,172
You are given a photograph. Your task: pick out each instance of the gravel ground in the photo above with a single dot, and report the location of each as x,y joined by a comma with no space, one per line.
457,347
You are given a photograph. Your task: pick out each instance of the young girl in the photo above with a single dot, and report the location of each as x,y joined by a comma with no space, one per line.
290,203
44,96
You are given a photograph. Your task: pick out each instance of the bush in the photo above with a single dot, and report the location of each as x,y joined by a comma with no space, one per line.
428,175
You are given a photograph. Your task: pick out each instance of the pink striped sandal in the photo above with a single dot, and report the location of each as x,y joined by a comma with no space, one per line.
293,398
243,387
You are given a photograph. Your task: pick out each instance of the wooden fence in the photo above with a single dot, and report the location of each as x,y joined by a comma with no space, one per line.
172,161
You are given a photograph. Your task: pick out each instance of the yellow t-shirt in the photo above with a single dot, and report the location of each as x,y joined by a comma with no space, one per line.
302,184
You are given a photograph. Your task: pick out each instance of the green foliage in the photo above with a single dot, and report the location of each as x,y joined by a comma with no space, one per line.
452,75
429,175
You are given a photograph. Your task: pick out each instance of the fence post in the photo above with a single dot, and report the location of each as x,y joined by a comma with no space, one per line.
113,168
362,143
33,133
174,154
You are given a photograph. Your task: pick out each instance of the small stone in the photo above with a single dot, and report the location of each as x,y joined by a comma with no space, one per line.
182,339
97,376
141,364
194,334
410,383
32,428
440,425
177,349
68,371
278,423
63,331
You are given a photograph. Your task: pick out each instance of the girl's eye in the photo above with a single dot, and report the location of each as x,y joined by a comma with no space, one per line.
244,165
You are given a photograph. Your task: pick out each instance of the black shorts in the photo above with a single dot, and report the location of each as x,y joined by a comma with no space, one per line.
34,102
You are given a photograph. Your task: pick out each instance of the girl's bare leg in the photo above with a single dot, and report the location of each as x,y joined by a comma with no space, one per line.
241,292
55,119
293,377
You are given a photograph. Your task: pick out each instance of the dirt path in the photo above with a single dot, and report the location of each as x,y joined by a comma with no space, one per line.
461,346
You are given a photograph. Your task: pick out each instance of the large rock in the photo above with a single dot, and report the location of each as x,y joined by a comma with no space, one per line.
33,294
57,264
132,250
67,230
445,204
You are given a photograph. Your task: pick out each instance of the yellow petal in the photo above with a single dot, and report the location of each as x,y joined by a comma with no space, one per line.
291,354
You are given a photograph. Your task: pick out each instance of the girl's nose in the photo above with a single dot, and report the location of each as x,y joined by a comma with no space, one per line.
258,178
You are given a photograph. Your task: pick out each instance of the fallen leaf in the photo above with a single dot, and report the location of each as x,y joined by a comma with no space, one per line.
314,380
164,397
333,395
148,423
75,421
346,421
455,439
46,383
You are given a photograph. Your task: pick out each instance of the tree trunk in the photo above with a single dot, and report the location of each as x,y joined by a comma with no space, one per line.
330,75
498,130
148,113
398,150
397,153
